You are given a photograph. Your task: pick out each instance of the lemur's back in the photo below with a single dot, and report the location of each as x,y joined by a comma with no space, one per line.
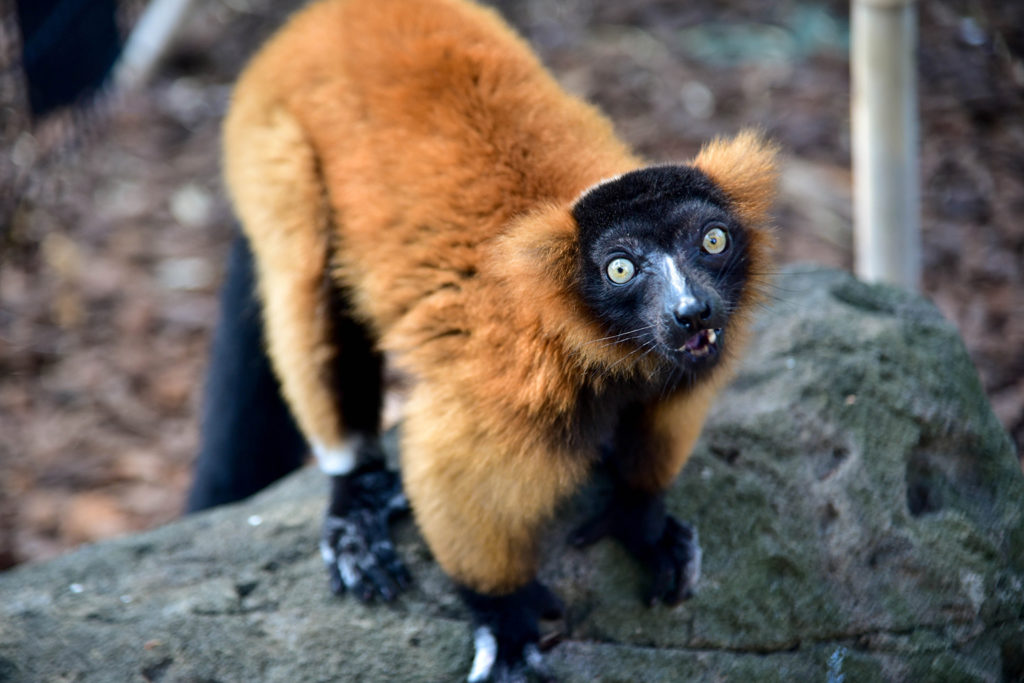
432,124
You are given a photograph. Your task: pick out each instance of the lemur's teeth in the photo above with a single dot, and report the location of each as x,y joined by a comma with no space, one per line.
712,336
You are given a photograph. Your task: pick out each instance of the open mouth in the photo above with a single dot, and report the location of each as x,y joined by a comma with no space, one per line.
701,344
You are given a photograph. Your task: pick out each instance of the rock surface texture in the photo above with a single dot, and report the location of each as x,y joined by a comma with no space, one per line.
860,510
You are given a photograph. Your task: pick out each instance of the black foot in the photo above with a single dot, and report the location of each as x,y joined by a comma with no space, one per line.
506,635
667,547
356,543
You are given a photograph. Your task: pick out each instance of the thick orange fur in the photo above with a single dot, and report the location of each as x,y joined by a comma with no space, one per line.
423,145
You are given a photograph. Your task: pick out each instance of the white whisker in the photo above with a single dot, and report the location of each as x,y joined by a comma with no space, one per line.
621,336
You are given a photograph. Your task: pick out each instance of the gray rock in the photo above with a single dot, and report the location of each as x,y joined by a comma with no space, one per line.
860,510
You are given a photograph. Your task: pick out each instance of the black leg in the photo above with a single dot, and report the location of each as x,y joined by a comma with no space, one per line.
667,547
356,543
357,375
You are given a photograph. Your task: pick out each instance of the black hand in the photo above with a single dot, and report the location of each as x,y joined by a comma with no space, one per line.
667,547
505,638
356,544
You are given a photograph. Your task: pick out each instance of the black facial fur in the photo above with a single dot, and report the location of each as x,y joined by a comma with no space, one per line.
657,218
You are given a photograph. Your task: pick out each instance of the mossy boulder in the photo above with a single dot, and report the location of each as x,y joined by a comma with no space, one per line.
860,509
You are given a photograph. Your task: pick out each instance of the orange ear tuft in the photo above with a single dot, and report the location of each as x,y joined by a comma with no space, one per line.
744,168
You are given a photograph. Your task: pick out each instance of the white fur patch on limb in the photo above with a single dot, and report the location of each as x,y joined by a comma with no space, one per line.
338,460
486,647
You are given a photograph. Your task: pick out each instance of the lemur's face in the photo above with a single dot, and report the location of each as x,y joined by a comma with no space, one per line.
663,263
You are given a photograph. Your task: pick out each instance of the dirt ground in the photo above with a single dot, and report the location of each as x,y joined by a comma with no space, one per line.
114,228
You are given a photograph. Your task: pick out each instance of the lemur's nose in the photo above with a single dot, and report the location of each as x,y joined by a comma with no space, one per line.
692,314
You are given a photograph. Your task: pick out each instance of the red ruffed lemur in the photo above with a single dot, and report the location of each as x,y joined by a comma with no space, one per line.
413,185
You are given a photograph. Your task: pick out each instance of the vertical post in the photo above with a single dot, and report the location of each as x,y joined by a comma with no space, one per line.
887,224
149,41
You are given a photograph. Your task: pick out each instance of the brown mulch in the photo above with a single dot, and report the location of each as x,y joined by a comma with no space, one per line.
114,224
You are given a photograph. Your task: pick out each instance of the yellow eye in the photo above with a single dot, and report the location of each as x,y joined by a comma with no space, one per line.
621,271
715,241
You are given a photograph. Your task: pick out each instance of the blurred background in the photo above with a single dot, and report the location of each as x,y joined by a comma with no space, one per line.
114,226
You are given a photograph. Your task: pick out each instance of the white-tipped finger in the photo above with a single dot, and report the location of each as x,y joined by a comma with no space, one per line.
535,661
486,647
327,552
349,569
693,568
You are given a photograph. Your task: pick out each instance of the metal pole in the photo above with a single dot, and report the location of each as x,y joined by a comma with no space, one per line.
149,41
887,224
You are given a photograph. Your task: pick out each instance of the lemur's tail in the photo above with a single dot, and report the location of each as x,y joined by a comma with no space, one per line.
248,439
